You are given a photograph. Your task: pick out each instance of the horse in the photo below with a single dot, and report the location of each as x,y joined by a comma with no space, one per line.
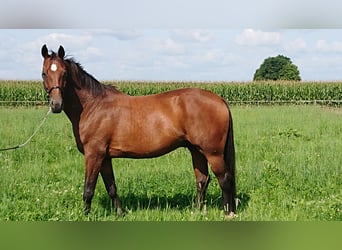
108,124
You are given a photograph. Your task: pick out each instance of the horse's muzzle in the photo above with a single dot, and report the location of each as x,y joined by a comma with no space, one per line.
56,106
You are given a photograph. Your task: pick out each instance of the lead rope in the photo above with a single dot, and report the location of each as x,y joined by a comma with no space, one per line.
30,138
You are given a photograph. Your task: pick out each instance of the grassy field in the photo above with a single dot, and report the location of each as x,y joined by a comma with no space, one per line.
288,168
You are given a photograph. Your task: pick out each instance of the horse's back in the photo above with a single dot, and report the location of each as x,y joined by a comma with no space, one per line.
191,100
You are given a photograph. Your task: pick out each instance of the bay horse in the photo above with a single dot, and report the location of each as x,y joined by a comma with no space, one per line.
108,124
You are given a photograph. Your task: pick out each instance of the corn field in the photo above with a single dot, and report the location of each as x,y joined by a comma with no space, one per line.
30,93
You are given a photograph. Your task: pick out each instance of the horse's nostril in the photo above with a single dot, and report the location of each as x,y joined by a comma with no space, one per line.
56,106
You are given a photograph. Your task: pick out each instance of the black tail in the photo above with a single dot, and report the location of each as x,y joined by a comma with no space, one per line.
229,155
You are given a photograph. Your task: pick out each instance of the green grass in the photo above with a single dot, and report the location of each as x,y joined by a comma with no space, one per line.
288,168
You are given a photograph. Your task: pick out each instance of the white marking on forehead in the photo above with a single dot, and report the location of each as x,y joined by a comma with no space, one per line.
53,67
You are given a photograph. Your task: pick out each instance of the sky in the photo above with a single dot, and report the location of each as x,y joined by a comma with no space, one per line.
152,40
174,54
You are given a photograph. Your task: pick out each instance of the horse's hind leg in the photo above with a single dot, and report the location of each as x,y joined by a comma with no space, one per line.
200,165
227,183
109,181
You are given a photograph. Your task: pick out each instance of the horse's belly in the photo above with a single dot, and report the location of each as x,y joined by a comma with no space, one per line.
151,137
143,149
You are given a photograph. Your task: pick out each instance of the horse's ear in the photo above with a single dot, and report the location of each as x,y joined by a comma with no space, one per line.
44,51
61,52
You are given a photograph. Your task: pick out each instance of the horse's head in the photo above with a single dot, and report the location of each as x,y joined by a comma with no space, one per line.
54,75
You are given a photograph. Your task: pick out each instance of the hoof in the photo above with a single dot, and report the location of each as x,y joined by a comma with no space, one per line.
230,216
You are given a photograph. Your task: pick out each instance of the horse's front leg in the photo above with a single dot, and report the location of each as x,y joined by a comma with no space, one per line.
109,181
93,162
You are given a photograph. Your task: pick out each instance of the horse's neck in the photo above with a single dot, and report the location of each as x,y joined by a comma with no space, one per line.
76,99
73,109
77,96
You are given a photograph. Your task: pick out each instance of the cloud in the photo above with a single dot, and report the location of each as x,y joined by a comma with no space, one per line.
169,46
193,35
213,58
67,40
26,53
91,53
53,40
296,45
122,35
250,37
324,46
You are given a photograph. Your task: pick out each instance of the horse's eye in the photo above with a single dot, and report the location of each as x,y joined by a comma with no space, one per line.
43,75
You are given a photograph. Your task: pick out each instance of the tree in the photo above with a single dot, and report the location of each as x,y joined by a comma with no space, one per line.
277,68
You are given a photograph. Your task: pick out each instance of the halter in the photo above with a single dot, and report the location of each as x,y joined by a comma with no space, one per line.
52,88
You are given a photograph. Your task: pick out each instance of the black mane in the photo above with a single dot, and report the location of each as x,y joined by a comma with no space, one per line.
82,79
